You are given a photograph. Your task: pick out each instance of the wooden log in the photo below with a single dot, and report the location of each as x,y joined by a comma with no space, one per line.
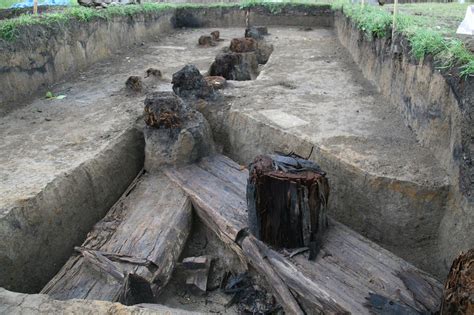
129,255
339,280
458,294
287,201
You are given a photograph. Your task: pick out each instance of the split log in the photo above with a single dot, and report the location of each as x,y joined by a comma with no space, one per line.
339,280
287,201
129,255
458,295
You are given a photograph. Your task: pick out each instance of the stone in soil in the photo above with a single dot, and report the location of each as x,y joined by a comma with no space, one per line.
174,133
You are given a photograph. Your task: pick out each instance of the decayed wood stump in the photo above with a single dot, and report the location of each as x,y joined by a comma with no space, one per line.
458,295
215,35
242,45
256,32
174,133
206,40
287,201
134,83
235,66
189,82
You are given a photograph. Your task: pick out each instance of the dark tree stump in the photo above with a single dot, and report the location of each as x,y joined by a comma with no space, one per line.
235,66
243,45
216,35
287,201
458,294
189,83
256,32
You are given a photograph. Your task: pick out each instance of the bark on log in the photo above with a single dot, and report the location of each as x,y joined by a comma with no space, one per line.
339,280
287,201
458,295
130,254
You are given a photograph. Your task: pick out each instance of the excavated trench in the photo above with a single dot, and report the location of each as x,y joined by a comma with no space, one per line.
66,162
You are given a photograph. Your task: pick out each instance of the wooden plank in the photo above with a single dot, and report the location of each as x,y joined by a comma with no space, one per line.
348,268
143,235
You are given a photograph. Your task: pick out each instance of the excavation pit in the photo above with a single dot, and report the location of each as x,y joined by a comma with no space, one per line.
314,90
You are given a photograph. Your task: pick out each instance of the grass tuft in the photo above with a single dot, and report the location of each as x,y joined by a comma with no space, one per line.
422,25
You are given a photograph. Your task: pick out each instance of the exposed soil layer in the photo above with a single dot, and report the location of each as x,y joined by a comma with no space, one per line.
64,162
438,107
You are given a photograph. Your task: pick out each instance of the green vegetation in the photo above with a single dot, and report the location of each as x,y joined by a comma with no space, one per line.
429,27
9,29
5,4
276,7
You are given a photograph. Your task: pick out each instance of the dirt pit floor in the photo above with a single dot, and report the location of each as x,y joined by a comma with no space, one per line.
310,93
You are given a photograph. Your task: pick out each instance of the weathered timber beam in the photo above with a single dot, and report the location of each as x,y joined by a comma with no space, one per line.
130,254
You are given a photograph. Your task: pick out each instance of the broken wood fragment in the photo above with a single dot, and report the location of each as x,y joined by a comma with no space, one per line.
196,262
198,271
458,294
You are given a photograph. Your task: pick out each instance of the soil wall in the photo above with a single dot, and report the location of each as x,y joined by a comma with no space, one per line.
438,108
42,55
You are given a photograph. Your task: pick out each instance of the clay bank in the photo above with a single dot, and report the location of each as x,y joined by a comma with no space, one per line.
86,180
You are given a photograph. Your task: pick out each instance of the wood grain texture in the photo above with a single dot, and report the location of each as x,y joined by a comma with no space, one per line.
143,234
348,268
